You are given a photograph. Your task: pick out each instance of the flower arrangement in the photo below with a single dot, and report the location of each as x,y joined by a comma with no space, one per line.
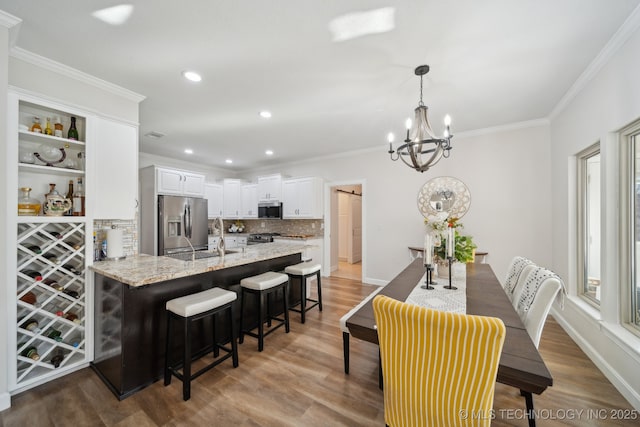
439,226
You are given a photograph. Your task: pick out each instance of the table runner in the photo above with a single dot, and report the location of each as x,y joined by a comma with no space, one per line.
439,298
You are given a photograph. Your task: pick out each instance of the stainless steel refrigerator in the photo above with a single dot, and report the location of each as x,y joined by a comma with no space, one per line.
182,224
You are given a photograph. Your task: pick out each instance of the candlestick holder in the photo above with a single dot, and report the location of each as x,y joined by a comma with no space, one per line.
450,258
428,278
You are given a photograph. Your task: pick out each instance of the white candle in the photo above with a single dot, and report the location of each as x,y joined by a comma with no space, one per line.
450,242
428,246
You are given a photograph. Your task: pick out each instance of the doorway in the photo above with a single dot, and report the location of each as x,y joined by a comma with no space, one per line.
346,231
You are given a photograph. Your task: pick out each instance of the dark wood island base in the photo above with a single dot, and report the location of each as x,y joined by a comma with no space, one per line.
130,322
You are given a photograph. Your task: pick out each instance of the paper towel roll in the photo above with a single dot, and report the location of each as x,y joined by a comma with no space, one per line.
114,243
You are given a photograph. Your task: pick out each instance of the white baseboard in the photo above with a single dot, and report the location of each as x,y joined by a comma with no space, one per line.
612,375
370,281
5,401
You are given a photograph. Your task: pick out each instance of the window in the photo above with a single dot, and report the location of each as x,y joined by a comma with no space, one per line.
589,284
634,288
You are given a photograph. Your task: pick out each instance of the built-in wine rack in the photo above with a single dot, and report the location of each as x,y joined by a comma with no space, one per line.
50,297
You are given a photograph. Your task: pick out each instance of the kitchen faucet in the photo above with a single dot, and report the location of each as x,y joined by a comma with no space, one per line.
220,226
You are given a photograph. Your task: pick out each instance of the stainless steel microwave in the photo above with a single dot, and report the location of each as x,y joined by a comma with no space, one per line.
270,210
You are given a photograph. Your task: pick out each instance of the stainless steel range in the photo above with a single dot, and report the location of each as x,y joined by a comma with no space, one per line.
257,238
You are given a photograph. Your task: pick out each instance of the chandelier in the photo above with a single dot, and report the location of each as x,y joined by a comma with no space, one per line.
422,149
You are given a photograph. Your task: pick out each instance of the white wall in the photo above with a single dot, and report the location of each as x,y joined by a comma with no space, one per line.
607,103
507,172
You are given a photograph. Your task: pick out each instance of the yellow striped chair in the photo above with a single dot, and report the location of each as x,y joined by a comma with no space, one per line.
439,368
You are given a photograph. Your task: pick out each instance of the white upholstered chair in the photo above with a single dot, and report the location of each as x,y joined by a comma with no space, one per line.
518,264
539,289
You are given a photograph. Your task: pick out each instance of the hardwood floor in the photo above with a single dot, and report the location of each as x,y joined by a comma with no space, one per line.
348,271
298,380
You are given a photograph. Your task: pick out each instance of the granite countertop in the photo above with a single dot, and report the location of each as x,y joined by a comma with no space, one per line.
297,236
142,270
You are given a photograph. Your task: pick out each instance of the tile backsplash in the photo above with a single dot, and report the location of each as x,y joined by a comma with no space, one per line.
285,226
129,235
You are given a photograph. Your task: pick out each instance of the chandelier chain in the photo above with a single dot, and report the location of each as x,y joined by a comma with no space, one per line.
421,104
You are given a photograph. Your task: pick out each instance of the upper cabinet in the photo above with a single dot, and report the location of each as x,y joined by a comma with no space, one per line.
179,183
270,188
250,201
232,198
302,198
213,194
116,144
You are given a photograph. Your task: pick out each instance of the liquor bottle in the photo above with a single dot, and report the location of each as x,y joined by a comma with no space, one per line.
35,275
27,206
52,193
73,132
78,200
35,249
47,129
31,353
54,334
32,326
35,127
56,360
53,284
70,197
57,127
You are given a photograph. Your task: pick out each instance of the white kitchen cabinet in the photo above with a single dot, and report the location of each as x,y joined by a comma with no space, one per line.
179,183
232,198
212,243
302,198
269,188
230,241
116,169
214,195
250,201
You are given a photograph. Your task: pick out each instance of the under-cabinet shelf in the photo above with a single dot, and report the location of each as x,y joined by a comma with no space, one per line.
51,140
49,170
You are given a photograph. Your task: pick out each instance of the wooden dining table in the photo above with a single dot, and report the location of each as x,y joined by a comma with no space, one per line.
521,364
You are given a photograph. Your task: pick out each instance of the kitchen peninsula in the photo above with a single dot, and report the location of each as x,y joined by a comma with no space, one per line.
130,297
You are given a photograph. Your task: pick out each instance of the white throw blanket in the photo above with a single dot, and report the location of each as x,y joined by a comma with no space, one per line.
514,273
533,281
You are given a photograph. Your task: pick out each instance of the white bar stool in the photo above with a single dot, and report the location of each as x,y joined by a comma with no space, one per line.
194,307
302,272
262,286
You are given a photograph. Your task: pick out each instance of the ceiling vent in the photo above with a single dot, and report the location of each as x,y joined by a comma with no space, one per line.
154,135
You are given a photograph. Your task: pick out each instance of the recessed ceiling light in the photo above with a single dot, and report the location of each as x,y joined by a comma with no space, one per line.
192,76
228,161
265,114
269,152
154,135
188,150
116,15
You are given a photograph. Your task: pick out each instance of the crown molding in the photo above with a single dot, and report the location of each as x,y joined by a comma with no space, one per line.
503,128
57,67
7,20
626,30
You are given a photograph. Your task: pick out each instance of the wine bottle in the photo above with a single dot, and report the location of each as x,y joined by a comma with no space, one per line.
72,317
33,274
29,298
72,293
56,235
78,200
51,257
70,197
31,353
52,283
72,269
35,249
73,132
54,334
75,341
32,326
57,359
47,129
